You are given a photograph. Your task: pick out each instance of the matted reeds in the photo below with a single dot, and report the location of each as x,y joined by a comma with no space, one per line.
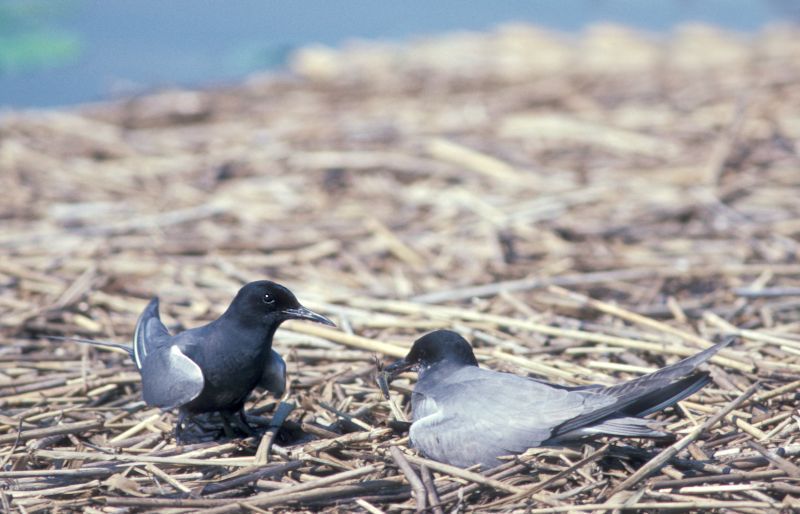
583,209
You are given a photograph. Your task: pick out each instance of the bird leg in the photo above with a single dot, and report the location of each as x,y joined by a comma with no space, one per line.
240,420
237,418
226,426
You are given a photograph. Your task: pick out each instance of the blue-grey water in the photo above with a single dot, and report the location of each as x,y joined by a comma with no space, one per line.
75,51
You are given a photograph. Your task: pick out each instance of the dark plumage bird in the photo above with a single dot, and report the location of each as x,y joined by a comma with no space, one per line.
215,367
465,415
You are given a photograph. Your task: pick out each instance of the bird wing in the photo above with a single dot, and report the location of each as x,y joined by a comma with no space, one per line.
650,393
149,330
170,378
475,415
274,376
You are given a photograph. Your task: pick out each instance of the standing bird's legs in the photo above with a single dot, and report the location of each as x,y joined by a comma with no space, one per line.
185,417
237,418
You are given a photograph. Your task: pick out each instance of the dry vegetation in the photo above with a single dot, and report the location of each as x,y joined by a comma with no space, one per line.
583,210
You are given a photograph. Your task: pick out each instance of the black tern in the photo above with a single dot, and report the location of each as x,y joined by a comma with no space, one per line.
465,415
215,367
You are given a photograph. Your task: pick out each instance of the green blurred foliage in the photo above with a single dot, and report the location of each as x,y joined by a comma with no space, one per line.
30,38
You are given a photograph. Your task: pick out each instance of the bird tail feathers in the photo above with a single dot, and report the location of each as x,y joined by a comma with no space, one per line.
104,344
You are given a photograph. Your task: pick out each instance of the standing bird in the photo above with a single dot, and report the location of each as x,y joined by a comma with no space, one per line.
215,367
465,415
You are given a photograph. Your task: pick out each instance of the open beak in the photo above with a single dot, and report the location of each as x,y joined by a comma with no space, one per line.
307,314
388,373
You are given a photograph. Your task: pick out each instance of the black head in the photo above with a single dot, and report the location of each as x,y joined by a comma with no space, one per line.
438,347
268,303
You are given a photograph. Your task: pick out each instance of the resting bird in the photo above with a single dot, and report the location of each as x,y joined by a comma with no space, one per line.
465,415
215,367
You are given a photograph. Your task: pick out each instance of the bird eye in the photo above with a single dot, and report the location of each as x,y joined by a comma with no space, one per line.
268,299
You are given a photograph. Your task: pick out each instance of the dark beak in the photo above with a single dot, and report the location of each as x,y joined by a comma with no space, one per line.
388,373
397,367
307,314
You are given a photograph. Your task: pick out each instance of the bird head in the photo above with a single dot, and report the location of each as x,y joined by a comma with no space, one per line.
270,303
436,348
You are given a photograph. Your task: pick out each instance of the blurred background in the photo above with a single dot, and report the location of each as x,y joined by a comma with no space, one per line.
75,51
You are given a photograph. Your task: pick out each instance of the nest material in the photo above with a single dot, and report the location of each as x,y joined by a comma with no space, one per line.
582,209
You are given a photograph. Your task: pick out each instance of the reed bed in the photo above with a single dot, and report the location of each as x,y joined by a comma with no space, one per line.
583,209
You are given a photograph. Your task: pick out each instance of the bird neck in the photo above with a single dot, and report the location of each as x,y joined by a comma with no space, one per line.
261,336
254,337
268,333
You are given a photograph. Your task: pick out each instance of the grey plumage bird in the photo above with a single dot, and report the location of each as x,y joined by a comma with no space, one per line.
465,415
215,367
